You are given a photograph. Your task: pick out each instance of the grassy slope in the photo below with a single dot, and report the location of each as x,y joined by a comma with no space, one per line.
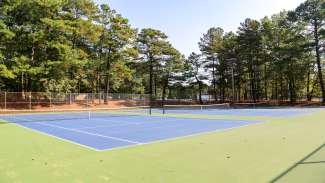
254,153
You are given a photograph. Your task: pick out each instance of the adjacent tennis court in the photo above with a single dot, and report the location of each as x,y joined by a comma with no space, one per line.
105,131
223,109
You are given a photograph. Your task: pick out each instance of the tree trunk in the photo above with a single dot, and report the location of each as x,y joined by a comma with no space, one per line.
252,85
281,89
265,83
292,90
155,84
150,80
318,60
28,78
238,83
22,83
164,92
200,89
107,80
223,94
214,80
308,87
239,93
276,90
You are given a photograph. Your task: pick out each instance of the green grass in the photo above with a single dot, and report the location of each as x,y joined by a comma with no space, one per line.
256,153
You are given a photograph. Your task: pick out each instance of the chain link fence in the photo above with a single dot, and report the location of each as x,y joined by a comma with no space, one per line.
61,101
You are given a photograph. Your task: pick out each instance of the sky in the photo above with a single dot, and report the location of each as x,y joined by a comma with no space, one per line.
185,21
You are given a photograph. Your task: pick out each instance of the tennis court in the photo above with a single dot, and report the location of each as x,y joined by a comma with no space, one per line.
106,131
258,112
222,141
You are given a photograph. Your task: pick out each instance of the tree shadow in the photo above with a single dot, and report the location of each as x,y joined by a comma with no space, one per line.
312,162
302,161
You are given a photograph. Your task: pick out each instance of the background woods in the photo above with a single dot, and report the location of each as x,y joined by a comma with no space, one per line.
78,46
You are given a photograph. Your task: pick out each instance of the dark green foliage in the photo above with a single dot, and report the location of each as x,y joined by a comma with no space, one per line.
78,46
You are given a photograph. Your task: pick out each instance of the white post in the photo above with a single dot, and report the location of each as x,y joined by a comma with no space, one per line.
88,107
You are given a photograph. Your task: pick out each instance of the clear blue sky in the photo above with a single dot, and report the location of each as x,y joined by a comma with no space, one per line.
184,21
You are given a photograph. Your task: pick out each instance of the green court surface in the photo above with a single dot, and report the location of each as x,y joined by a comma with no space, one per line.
281,150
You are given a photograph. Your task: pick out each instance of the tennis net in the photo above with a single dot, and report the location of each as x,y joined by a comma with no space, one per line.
71,114
185,108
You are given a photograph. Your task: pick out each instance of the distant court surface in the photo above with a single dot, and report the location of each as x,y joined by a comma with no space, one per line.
122,131
263,112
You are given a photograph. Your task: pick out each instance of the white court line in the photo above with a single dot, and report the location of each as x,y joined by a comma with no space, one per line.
93,134
185,136
103,126
141,144
56,137
127,124
132,124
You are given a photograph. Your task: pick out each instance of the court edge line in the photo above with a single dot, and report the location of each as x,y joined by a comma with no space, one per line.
138,123
59,138
153,142
93,134
182,137
140,144
174,119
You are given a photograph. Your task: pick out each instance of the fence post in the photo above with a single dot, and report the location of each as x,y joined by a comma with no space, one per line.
30,100
50,100
87,100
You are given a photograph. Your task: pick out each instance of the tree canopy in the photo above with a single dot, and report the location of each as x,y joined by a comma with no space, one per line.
79,46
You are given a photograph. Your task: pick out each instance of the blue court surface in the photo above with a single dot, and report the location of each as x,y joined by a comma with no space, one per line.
117,132
281,112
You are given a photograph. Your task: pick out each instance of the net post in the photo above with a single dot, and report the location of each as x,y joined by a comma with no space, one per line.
164,110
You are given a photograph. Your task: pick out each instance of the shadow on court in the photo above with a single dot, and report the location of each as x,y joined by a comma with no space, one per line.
314,160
